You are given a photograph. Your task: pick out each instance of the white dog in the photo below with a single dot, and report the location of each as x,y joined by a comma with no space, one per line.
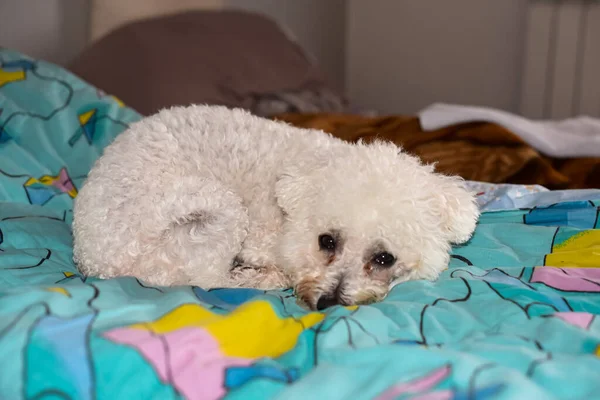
213,197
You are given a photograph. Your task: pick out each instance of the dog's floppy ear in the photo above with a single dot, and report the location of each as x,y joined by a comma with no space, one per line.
295,185
458,209
289,190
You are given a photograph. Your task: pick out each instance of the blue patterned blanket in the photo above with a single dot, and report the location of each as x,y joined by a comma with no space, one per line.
515,315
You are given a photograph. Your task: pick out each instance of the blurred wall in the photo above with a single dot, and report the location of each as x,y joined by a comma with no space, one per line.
403,55
54,30
538,58
319,26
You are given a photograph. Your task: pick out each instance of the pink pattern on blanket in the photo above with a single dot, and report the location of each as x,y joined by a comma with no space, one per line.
419,385
64,182
568,279
580,319
180,357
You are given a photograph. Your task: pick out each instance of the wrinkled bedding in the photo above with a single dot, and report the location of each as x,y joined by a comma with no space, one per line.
514,316
477,151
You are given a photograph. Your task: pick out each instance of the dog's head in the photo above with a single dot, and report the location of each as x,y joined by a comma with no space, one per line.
359,217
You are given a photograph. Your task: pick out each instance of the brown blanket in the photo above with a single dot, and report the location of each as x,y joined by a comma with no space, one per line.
476,151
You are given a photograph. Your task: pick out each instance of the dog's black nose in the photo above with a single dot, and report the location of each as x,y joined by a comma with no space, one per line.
326,302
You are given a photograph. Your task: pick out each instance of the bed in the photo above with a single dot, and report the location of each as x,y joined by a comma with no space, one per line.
514,316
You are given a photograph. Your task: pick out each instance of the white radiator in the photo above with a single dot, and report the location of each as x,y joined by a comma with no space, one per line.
561,62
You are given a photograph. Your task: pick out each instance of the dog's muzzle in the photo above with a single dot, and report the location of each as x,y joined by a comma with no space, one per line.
332,298
327,301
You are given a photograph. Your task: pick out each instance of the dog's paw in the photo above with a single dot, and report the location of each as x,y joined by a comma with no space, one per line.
264,277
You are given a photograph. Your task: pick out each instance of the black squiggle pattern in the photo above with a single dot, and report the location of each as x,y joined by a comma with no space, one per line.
423,340
63,106
33,217
44,259
538,362
475,375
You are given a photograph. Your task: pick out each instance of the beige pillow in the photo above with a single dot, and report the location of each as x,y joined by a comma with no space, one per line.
231,58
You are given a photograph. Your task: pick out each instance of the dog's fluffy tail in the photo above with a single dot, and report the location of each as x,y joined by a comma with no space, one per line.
187,231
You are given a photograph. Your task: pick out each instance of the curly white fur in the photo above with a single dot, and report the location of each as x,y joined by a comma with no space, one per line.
213,197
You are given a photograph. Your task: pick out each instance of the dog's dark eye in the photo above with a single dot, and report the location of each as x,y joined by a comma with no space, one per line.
384,259
327,242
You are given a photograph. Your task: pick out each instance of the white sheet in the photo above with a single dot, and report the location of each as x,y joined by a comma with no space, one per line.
575,137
